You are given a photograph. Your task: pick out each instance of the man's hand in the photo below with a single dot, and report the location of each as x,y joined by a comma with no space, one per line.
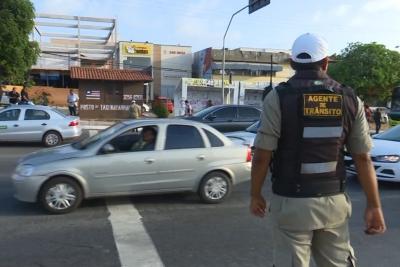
374,221
258,206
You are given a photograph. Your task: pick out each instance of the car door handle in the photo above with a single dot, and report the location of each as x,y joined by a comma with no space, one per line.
149,161
201,157
15,125
44,124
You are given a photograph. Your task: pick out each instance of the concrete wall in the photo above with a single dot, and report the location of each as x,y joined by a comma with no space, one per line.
57,97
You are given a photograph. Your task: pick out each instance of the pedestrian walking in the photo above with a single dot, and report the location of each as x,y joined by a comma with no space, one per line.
72,101
14,96
134,110
377,120
188,109
209,103
305,124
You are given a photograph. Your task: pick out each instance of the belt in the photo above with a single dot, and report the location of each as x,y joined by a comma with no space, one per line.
309,189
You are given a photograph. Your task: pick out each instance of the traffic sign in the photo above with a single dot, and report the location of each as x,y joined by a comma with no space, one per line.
255,5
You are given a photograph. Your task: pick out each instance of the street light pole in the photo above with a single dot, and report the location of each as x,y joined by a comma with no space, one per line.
223,52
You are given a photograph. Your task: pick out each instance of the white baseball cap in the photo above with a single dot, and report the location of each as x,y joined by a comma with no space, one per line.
309,48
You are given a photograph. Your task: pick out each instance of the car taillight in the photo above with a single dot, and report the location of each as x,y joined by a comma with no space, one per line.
73,123
249,154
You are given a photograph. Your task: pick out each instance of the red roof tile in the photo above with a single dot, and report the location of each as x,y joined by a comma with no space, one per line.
109,74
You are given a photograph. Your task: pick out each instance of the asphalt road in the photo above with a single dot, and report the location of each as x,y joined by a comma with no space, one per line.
183,231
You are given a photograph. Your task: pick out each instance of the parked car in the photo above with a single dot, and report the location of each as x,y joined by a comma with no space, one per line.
26,123
385,156
228,118
185,156
245,137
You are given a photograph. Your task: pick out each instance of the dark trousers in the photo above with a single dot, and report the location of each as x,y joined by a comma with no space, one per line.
72,110
377,126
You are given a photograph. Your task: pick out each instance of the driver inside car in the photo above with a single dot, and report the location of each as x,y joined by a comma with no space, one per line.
147,140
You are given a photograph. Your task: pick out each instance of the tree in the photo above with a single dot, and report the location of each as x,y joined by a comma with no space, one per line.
17,52
371,69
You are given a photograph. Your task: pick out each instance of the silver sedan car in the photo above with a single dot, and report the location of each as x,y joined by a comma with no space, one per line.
134,157
28,123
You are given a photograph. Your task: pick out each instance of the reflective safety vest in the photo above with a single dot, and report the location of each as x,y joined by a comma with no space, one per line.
317,117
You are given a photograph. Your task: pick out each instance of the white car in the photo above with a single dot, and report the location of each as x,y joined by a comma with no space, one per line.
27,123
245,137
385,156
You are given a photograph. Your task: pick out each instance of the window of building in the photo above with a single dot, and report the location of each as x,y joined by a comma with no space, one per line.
183,137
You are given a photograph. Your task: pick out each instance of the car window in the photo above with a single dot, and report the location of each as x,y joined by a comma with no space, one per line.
135,140
10,115
59,112
102,135
214,140
34,114
248,113
182,137
225,113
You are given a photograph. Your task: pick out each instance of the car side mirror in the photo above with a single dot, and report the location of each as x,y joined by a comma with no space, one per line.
108,148
211,117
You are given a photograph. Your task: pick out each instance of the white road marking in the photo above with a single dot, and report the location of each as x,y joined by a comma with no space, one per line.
135,247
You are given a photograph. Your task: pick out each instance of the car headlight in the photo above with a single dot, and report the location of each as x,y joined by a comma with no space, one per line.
25,170
387,158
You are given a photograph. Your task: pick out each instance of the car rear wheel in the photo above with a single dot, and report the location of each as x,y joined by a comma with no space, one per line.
215,187
52,138
60,195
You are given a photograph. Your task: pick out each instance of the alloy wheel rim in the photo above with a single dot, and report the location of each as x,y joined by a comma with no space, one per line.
61,196
216,188
52,139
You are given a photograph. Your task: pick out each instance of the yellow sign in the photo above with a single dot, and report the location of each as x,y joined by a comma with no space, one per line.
137,49
323,105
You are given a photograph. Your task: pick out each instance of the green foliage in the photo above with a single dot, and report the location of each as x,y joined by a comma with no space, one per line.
41,98
160,109
371,69
17,52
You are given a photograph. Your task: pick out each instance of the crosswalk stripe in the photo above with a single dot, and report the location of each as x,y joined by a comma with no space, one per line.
135,247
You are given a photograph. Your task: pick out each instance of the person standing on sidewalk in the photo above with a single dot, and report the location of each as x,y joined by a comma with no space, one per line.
305,124
135,110
188,109
14,96
377,120
72,102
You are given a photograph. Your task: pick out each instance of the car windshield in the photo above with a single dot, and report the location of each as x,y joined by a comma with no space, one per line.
89,141
393,134
254,127
203,112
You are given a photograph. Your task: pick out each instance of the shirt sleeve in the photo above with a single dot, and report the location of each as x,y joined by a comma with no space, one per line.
270,126
359,140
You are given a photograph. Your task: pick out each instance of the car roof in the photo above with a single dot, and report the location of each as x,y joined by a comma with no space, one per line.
30,107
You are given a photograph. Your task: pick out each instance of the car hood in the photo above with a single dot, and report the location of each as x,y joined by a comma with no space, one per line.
385,147
243,137
51,155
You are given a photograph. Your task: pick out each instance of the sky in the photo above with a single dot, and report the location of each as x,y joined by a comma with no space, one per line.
202,23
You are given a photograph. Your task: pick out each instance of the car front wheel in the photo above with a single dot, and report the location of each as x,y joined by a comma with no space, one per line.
215,187
60,195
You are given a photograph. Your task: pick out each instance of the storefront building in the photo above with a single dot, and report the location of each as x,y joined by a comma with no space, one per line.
107,93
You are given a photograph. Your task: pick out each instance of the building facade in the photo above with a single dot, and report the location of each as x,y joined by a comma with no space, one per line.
167,63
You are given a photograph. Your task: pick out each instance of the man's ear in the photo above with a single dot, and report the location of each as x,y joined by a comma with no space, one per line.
325,63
